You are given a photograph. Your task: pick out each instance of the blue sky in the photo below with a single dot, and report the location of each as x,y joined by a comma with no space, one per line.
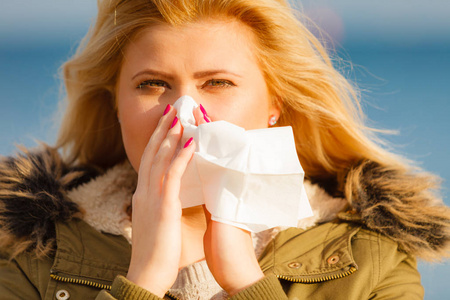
401,22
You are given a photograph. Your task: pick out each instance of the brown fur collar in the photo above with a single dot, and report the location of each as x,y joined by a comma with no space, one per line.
417,219
34,189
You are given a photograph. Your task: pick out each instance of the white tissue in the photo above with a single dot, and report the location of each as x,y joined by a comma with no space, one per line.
250,179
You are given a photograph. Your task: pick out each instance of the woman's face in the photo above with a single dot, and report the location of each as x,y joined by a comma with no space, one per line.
211,61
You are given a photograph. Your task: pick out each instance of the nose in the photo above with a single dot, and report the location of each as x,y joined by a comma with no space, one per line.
186,89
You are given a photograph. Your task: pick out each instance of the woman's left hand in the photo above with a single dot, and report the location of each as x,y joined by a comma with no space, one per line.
230,256
229,250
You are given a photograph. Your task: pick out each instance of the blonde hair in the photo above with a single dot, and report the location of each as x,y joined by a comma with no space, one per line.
316,100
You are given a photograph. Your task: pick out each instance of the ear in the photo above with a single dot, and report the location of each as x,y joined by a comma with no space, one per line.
275,108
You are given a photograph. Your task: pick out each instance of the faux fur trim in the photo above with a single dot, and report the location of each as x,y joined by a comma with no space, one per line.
105,200
37,189
33,197
417,220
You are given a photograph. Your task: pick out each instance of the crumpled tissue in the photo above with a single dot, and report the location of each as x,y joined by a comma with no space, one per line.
251,179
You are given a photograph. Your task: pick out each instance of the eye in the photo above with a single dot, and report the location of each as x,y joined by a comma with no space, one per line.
152,84
219,83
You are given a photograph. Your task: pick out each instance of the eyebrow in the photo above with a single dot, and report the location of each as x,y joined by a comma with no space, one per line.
197,75
208,73
153,73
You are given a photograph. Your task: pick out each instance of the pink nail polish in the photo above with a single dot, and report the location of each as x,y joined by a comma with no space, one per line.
166,110
205,114
174,122
203,110
188,143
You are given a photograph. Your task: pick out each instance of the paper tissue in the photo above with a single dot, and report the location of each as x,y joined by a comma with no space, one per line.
251,179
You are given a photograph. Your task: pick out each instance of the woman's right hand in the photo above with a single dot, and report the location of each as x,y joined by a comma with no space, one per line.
156,218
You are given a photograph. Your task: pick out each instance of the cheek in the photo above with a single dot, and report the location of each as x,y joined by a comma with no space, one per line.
249,110
246,112
135,138
254,106
137,123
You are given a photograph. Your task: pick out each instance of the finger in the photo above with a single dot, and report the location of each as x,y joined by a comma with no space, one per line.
172,180
165,154
153,146
201,116
205,114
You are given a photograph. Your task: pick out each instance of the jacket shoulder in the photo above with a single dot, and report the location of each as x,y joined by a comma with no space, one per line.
341,256
33,186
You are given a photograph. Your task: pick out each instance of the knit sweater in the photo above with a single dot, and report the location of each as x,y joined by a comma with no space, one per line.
196,282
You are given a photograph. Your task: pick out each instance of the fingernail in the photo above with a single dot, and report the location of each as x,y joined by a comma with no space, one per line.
166,110
174,122
203,111
205,114
188,143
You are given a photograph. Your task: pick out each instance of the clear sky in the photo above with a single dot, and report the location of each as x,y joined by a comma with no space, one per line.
389,21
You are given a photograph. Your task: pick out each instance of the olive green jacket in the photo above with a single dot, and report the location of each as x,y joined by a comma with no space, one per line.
330,261
48,252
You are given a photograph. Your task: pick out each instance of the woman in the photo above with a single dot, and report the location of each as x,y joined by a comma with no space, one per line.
66,221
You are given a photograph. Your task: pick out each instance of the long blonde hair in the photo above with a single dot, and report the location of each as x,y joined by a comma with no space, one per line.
316,100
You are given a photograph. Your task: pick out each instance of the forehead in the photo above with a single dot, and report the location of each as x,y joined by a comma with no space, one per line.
220,40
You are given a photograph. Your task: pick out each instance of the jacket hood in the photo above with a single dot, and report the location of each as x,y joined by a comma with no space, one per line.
35,193
417,221
33,197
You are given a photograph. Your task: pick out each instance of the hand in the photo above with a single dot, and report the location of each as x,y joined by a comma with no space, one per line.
229,250
230,256
156,221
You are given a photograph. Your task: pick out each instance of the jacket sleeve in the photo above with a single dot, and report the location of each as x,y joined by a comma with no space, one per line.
401,282
125,289
268,288
13,282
